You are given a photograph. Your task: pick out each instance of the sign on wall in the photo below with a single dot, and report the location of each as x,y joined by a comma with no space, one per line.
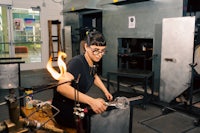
131,22
18,24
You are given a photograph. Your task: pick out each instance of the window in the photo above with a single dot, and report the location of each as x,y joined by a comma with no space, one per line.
27,34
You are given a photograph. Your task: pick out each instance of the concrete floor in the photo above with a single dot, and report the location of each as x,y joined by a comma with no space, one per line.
150,119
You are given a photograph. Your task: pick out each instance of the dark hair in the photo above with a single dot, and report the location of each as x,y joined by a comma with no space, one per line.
95,38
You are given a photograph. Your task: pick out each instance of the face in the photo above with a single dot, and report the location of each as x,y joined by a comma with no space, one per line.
96,52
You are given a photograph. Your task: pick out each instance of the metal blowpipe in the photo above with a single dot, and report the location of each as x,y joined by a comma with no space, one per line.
119,102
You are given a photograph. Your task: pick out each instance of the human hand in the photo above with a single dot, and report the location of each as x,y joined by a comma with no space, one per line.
98,105
109,96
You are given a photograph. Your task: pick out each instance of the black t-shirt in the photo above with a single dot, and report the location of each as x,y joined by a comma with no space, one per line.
79,66
76,66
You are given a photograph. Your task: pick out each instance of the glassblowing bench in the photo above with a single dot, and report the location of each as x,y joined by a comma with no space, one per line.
145,78
43,116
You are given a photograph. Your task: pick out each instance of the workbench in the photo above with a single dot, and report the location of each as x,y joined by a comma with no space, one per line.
42,116
144,77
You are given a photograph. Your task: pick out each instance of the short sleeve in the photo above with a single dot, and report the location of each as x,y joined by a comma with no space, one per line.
74,67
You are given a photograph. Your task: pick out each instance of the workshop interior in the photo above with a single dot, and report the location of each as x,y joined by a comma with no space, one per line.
151,65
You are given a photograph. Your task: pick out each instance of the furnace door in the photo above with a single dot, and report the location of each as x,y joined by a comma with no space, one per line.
176,55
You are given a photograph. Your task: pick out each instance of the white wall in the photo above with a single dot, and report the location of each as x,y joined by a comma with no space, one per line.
49,11
6,2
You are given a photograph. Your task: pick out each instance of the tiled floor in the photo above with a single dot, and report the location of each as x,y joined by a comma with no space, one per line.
150,119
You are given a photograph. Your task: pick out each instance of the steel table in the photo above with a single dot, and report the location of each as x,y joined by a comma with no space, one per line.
145,76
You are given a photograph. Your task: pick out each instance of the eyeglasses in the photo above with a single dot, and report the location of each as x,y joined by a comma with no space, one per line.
96,51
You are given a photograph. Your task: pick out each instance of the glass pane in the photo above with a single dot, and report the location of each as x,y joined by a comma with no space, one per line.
27,34
4,39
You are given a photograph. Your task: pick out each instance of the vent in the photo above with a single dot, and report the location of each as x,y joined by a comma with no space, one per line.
80,5
120,2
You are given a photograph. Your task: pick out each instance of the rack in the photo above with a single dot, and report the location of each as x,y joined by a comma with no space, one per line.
54,38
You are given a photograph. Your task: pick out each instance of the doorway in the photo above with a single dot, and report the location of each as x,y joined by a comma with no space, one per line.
20,33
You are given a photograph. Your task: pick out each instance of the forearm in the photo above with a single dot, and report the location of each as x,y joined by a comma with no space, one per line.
97,105
68,91
98,82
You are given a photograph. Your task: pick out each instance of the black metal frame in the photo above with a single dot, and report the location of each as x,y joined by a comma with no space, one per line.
193,90
144,75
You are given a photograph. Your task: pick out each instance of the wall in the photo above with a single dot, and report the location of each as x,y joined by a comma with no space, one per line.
72,19
148,16
6,2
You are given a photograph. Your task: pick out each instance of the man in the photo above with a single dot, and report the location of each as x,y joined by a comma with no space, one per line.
81,68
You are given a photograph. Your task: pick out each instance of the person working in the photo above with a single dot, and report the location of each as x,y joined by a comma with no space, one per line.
81,67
